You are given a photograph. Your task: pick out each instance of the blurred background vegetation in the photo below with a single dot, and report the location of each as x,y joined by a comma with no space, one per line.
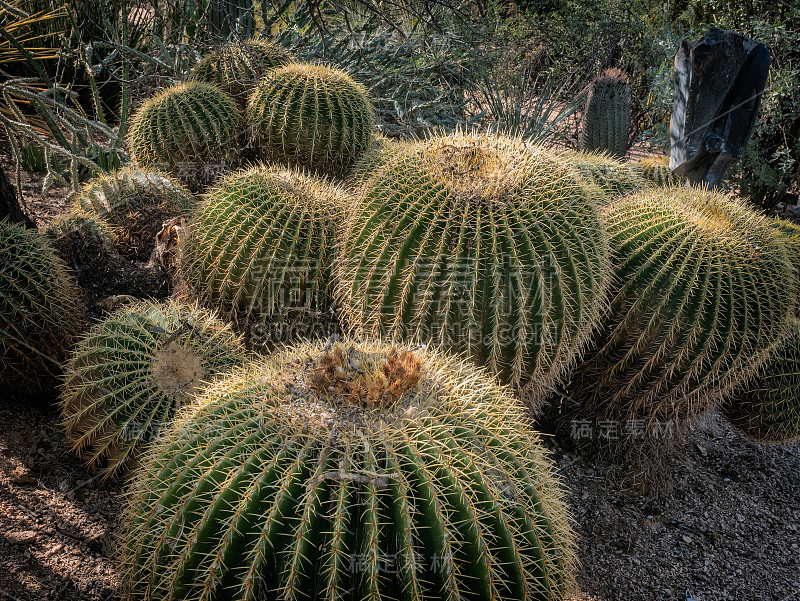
70,73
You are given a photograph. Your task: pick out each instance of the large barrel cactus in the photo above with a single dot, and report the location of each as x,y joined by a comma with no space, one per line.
349,472
311,116
262,244
131,372
768,408
190,130
606,119
41,312
483,246
703,290
238,66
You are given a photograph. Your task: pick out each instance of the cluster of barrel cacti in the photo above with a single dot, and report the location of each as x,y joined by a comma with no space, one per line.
467,272
253,95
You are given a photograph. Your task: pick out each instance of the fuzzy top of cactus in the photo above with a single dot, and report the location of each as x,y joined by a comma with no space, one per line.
655,169
262,244
768,408
238,66
189,126
703,289
131,372
40,309
481,244
311,116
286,474
131,189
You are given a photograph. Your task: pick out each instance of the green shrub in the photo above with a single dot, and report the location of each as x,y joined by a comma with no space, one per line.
349,472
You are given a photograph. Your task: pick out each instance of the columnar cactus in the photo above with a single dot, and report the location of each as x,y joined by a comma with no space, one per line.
704,289
262,244
483,246
238,66
656,170
608,113
311,116
348,472
190,130
614,177
768,408
40,310
131,372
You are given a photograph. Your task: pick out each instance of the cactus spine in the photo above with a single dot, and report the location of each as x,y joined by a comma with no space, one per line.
189,130
480,245
768,409
704,289
349,472
606,120
311,116
40,310
238,66
131,372
262,243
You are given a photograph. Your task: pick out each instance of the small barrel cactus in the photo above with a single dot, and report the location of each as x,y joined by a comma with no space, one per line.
262,244
606,120
614,177
80,228
349,472
190,130
131,372
483,246
704,289
238,66
136,203
311,116
768,408
656,170
117,193
41,312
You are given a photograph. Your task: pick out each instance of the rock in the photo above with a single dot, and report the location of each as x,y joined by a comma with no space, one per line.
718,86
22,538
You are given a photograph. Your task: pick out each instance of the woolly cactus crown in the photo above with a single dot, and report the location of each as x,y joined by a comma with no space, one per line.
132,371
303,475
